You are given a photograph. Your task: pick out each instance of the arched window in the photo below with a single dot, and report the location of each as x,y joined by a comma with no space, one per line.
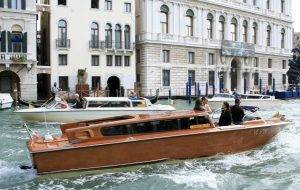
62,33
118,36
210,20
94,35
282,38
268,35
245,31
189,22
164,19
233,29
222,27
254,33
16,38
127,37
108,36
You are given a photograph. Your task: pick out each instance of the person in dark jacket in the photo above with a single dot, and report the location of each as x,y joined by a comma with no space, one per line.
237,112
225,118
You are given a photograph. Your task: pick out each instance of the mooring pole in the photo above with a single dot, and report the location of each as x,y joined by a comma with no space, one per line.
186,90
206,89
274,86
245,86
199,91
190,89
260,86
214,89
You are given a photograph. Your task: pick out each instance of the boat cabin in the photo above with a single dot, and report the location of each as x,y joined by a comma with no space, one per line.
101,102
124,126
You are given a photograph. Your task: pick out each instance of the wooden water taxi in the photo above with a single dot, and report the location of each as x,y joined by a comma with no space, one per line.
129,140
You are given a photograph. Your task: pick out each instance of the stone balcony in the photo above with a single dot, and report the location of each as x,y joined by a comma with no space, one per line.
9,59
112,46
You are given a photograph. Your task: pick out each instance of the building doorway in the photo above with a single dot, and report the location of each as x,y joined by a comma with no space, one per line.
10,83
234,75
113,84
43,86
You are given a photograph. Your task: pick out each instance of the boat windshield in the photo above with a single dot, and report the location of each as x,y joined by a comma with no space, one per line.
223,96
51,104
108,104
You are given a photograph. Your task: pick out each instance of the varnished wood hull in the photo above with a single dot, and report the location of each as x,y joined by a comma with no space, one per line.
174,145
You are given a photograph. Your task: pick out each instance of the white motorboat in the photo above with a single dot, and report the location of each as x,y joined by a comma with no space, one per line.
93,108
256,100
5,100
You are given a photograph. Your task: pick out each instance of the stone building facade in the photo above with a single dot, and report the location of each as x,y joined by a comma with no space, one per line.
96,35
231,44
296,40
18,48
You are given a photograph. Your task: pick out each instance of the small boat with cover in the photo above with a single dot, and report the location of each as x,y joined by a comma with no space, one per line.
129,140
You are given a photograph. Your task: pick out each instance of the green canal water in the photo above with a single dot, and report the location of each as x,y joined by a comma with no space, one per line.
274,166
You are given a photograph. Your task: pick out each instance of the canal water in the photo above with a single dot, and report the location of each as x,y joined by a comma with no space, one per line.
274,166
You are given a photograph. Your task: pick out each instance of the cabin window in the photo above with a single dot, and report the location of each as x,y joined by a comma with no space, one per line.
106,104
116,130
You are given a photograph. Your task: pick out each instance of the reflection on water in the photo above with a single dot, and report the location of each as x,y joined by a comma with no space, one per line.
274,166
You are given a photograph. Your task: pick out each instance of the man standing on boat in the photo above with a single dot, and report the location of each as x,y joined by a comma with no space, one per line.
237,112
54,89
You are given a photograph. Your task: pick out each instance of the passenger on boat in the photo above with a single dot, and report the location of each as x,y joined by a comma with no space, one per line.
226,118
78,104
199,105
54,90
206,105
237,112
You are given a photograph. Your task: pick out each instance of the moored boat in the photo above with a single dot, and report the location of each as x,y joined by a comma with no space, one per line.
256,100
129,140
93,108
6,100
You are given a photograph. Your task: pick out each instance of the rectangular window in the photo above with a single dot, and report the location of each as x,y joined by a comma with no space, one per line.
108,5
191,57
118,60
211,59
282,6
270,79
95,4
256,62
283,78
191,73
62,2
63,83
62,59
1,3
108,60
166,78
256,79
211,78
283,64
254,2
166,56
269,63
127,7
138,56
95,60
126,61
96,83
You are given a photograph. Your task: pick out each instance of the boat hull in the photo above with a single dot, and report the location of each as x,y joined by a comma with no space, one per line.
81,115
174,145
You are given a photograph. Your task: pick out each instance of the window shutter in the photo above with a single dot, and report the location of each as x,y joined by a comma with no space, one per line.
1,3
3,41
23,4
24,43
9,45
9,4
